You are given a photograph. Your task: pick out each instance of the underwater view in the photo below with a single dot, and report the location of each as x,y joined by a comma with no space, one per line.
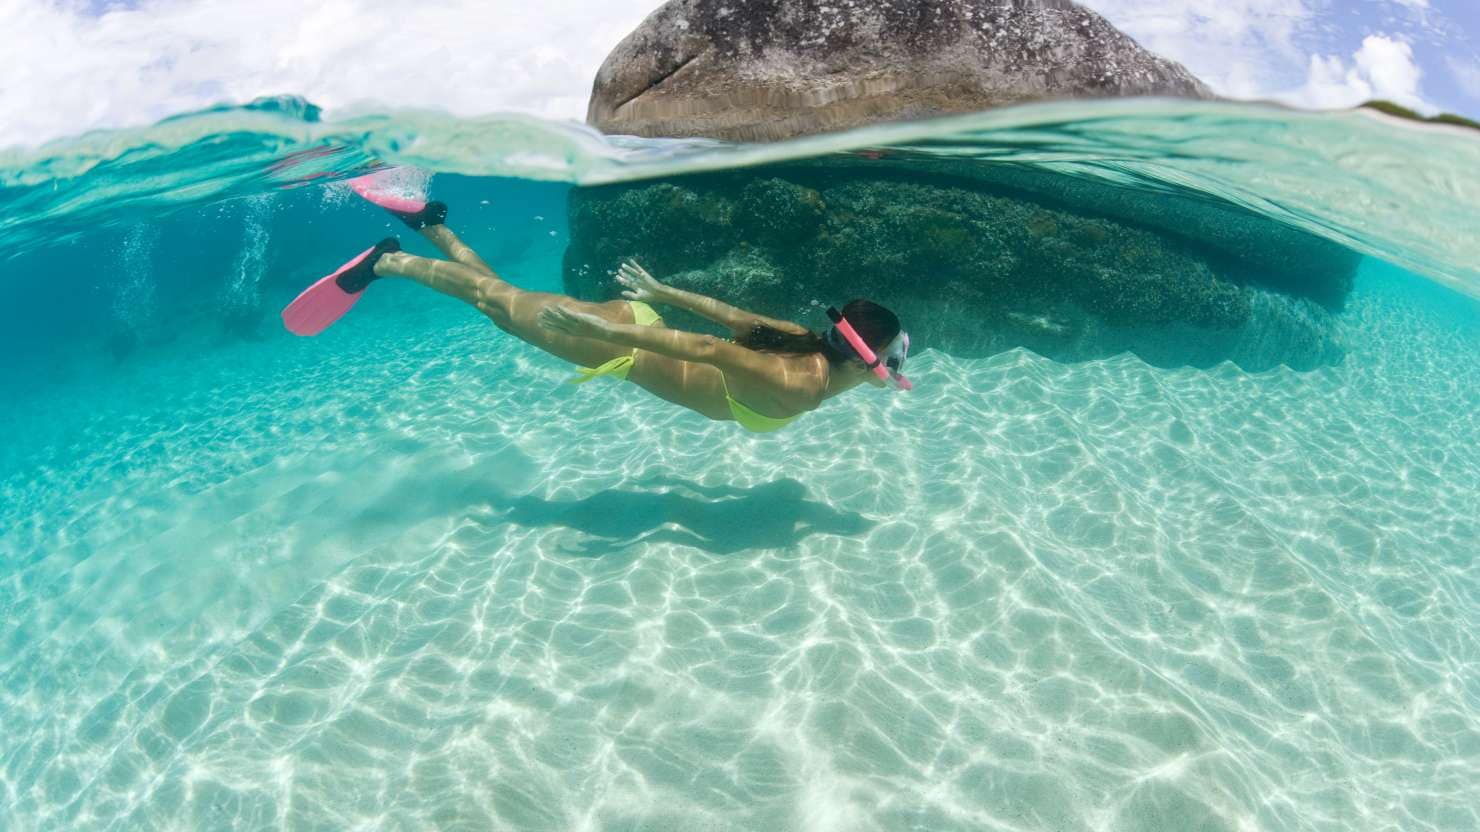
1176,530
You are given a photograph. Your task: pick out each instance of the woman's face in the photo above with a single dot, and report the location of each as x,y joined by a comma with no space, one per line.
859,373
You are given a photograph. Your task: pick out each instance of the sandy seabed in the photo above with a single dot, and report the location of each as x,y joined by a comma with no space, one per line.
399,577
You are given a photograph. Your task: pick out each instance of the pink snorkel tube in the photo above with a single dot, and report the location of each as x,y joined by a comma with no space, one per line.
886,374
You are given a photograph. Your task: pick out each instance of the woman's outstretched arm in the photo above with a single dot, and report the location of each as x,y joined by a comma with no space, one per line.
639,285
674,343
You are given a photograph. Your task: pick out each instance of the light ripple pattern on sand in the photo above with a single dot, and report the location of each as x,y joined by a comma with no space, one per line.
399,577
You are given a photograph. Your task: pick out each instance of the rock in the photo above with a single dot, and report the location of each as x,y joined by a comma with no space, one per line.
1258,249
972,267
976,257
763,70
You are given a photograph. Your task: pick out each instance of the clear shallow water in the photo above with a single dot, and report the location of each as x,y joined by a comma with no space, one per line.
1402,191
399,577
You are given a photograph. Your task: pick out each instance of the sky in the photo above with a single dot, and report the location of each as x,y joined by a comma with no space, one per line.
75,65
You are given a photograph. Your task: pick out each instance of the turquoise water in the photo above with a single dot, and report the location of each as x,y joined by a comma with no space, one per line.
400,577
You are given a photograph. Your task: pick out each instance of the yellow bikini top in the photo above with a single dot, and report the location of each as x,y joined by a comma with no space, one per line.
749,419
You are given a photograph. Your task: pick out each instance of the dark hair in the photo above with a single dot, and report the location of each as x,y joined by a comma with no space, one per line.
875,324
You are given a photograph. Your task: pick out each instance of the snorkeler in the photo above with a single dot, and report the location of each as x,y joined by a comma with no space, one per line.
768,374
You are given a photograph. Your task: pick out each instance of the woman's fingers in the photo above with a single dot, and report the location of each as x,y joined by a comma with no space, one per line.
557,318
636,278
635,289
571,322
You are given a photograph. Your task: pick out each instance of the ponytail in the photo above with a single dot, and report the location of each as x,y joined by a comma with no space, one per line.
875,324
762,338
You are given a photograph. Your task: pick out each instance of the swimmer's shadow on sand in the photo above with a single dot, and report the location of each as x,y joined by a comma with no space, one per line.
718,519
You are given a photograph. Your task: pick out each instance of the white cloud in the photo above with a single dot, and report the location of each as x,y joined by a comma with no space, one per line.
67,70
1466,74
1389,65
1241,48
1382,68
1284,49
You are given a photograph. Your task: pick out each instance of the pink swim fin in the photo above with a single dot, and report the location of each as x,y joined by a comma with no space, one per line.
417,213
327,300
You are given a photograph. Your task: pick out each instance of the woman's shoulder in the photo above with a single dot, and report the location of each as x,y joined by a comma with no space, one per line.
805,380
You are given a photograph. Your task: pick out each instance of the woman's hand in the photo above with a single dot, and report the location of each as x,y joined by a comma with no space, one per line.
571,322
637,284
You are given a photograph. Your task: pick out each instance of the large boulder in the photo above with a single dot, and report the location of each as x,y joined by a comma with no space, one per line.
763,70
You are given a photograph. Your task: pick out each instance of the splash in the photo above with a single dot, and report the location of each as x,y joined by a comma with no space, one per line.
405,183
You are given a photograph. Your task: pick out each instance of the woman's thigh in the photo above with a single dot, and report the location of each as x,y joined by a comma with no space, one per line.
519,316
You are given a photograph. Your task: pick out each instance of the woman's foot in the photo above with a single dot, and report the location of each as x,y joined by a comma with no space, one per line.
354,279
435,213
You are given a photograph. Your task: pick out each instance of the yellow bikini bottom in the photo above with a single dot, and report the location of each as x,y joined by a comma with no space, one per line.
620,366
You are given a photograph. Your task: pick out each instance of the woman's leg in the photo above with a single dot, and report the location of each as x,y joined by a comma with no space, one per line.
512,309
454,248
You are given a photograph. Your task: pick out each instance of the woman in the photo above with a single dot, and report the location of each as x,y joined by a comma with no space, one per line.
768,374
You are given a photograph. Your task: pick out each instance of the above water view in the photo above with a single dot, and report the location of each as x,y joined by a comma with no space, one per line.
1158,508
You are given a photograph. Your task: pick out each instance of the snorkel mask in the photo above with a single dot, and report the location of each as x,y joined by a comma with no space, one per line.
886,365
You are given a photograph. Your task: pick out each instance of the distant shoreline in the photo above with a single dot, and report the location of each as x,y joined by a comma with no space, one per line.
1400,111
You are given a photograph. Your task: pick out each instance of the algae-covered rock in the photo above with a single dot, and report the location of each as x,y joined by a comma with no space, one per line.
777,213
1249,246
973,269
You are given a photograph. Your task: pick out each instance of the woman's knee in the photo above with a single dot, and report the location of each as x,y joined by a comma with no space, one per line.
495,305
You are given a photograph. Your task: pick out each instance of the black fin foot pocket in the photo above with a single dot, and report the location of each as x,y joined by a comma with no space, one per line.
356,279
434,214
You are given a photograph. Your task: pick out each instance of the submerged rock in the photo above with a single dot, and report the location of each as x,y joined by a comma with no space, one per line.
976,257
764,70
974,268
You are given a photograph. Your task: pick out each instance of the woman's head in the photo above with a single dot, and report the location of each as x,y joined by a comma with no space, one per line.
875,324
868,338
